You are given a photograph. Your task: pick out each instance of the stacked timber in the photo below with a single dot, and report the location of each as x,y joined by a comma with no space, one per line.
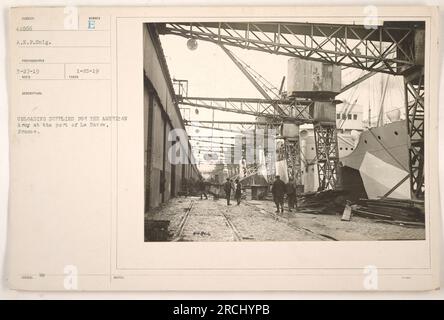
391,210
322,202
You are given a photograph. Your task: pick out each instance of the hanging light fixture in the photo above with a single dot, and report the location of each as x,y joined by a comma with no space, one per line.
191,43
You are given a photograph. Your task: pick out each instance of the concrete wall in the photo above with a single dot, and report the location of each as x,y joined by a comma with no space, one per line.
163,180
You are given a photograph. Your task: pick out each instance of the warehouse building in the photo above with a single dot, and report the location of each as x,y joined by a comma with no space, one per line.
163,180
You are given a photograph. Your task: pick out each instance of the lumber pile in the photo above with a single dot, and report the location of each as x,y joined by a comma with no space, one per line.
391,210
322,202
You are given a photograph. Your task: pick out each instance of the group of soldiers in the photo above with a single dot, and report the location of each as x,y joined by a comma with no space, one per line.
228,186
278,189
190,186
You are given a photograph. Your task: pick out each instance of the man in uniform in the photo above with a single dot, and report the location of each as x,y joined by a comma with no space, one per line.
185,187
202,188
238,191
291,194
227,189
278,190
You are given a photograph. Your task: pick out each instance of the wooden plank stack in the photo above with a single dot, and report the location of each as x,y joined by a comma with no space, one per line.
322,202
390,209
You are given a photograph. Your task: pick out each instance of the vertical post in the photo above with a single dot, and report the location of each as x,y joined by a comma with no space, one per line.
293,154
290,133
322,82
327,155
414,101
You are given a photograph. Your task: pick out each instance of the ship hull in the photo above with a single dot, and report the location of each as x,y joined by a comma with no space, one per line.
382,161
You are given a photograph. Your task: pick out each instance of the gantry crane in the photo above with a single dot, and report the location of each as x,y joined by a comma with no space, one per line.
395,48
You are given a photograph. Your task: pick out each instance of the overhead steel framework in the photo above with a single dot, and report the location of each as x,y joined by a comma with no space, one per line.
205,141
357,81
293,156
256,79
414,98
396,48
386,48
248,123
262,85
292,109
197,128
227,127
212,137
327,154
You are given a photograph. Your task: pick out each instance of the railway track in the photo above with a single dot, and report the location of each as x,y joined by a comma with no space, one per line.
179,235
236,234
186,233
306,230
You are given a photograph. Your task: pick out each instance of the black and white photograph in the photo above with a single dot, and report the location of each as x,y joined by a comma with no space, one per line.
216,150
283,131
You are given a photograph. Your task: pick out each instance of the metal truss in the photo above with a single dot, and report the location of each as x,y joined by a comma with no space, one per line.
227,127
386,49
220,150
212,137
414,97
248,123
197,127
357,81
265,88
292,109
219,128
327,154
246,172
211,142
293,156
391,48
214,149
181,87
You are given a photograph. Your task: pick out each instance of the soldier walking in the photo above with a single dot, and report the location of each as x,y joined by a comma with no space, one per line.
227,189
291,194
278,190
238,192
202,187
185,187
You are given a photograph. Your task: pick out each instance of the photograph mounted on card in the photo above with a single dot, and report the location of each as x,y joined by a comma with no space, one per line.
214,148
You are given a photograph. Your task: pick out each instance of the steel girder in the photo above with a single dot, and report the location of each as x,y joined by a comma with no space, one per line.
212,137
253,77
197,127
389,49
327,154
247,123
386,49
293,155
228,127
293,109
210,143
414,98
